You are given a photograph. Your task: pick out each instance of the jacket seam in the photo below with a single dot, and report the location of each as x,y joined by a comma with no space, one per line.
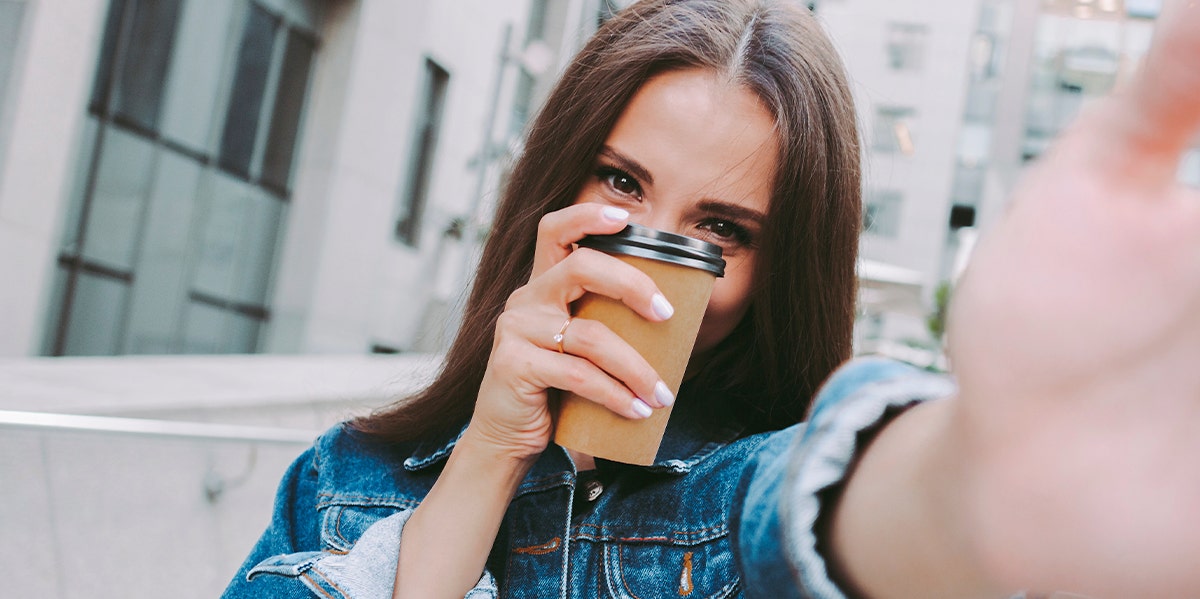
316,586
326,499
682,537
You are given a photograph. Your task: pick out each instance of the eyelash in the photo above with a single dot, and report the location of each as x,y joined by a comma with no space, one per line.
740,235
607,174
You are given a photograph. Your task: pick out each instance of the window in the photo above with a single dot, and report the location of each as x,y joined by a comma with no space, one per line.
289,106
906,46
967,186
961,216
893,129
133,61
172,232
429,121
881,216
249,85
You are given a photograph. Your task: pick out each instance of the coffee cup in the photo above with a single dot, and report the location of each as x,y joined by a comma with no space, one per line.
684,270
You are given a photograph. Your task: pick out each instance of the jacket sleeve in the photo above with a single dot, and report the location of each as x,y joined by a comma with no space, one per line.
775,526
288,561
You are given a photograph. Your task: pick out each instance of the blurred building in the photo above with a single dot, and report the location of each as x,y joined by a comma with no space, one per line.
908,65
310,176
956,100
220,176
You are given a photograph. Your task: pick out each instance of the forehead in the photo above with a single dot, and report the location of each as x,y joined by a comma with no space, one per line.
696,132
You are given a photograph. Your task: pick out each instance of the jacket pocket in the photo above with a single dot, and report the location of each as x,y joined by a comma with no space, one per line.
343,525
654,570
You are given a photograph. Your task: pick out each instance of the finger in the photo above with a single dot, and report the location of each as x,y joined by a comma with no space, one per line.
598,344
558,230
582,377
521,331
1146,128
589,271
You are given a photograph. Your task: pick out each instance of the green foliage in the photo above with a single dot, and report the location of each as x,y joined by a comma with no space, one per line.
936,321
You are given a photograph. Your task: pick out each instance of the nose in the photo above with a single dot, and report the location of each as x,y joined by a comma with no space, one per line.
663,220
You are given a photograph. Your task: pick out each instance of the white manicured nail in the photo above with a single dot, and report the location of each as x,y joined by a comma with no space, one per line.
642,408
662,308
615,214
663,394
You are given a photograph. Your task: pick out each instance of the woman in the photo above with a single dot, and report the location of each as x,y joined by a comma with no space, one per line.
729,121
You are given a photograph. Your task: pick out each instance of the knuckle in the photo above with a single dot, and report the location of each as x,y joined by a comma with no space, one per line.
584,258
648,377
576,375
506,322
617,398
638,281
582,339
516,298
505,349
546,224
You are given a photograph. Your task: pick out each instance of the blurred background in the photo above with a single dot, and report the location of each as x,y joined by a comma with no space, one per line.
228,224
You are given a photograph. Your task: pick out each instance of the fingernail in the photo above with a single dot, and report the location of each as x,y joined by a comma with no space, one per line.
615,214
662,308
663,394
642,408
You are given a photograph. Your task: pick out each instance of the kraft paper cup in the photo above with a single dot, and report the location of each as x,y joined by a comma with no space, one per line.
684,270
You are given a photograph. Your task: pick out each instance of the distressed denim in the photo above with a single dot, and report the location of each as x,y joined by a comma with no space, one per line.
718,515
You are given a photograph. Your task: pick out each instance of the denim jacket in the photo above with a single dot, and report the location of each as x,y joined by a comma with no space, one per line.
718,515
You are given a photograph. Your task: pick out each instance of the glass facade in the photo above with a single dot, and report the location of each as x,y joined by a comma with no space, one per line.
170,240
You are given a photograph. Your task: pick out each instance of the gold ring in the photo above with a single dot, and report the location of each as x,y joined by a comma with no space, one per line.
558,339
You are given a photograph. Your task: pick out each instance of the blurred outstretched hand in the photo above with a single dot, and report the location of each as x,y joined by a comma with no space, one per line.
1075,336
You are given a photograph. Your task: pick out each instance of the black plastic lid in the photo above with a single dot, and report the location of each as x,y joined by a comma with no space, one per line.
644,242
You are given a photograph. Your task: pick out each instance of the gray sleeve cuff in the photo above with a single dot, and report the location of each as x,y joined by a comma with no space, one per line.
777,543
858,396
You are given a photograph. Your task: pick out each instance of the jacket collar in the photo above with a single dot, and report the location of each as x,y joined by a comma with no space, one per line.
686,443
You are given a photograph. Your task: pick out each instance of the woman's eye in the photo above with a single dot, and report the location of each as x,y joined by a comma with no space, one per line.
722,229
727,231
620,182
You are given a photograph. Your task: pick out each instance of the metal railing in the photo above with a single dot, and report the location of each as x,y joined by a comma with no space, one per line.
155,428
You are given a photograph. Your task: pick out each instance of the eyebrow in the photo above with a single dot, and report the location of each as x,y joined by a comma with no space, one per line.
628,164
732,211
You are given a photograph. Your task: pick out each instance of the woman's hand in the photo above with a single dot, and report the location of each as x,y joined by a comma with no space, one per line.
1075,336
512,414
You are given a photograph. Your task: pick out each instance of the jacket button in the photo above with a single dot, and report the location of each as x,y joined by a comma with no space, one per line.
593,488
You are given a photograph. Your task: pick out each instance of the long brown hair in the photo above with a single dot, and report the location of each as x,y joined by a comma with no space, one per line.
800,323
